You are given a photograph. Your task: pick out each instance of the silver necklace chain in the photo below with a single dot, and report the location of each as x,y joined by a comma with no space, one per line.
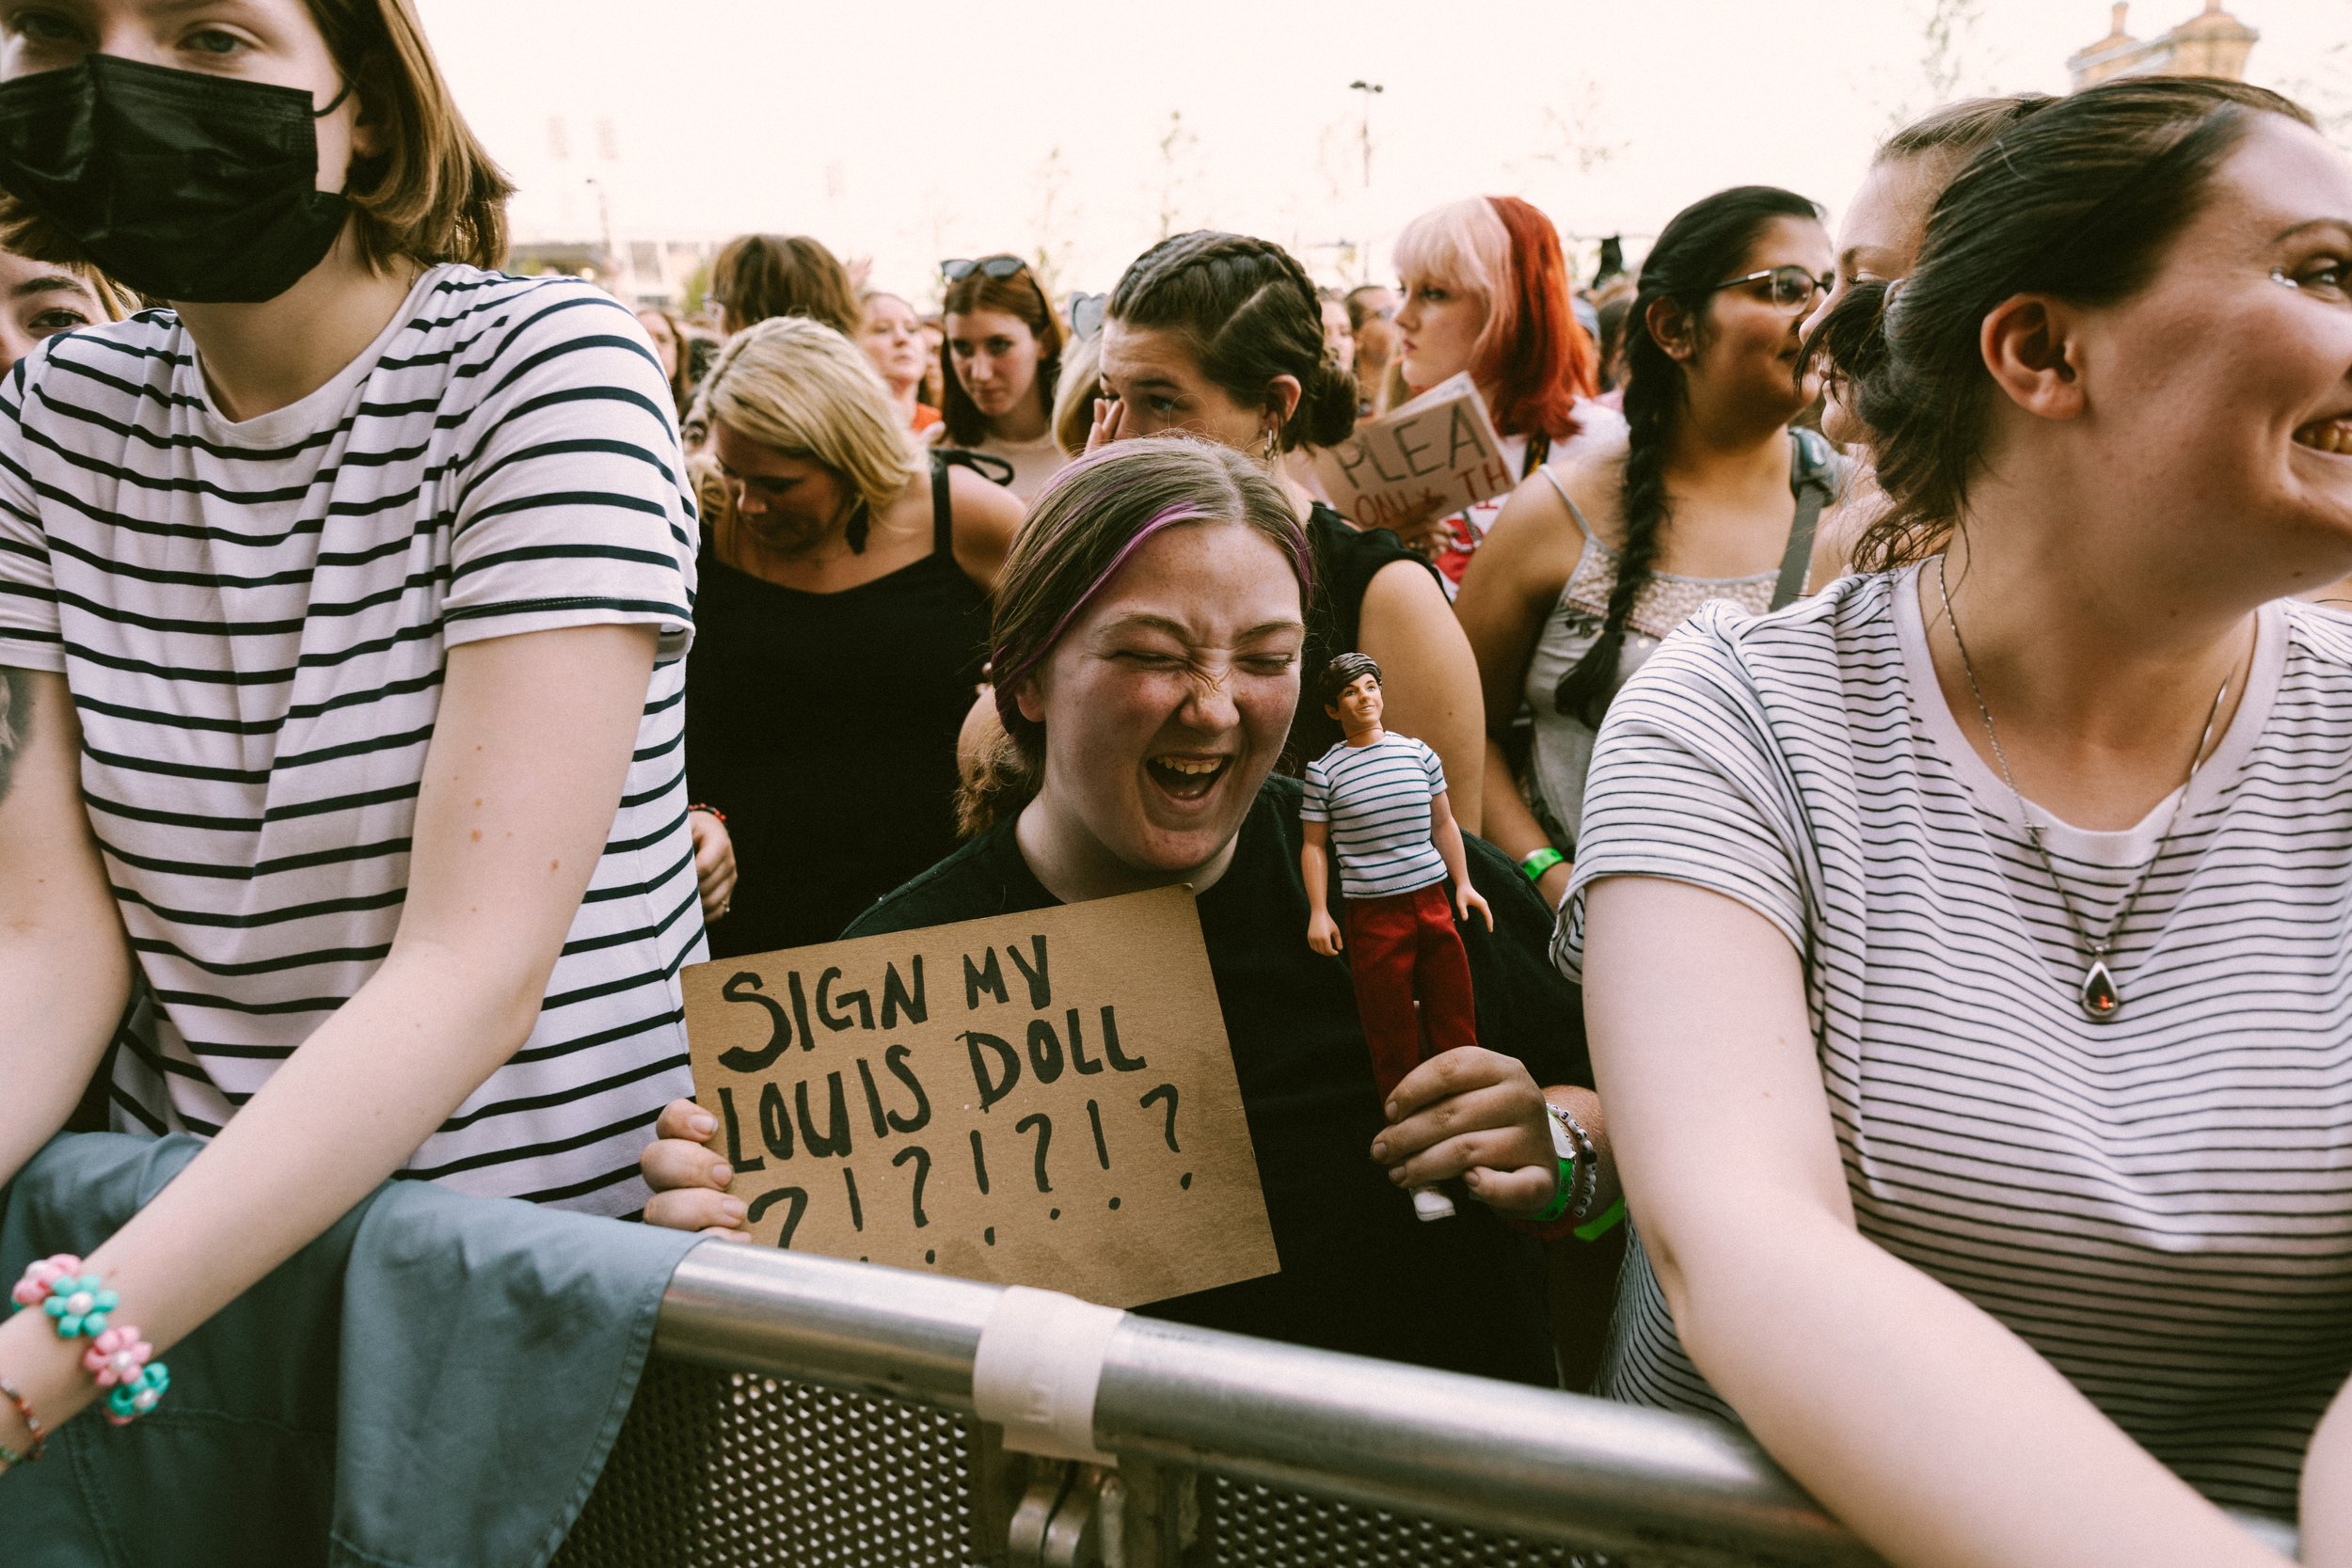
2100,996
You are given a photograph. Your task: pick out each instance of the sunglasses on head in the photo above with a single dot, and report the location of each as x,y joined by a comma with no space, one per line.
1086,313
1792,287
1001,268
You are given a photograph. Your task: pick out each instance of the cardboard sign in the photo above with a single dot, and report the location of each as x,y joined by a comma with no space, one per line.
1043,1099
1437,455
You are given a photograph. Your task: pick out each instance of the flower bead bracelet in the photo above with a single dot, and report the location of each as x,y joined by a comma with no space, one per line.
79,1306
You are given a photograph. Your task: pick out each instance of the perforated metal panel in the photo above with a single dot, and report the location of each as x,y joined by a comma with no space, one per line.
724,1470
1260,1527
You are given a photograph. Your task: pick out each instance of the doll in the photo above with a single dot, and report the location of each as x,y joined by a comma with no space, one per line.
1376,804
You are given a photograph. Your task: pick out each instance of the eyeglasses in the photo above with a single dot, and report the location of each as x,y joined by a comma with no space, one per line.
1001,268
1793,288
1085,314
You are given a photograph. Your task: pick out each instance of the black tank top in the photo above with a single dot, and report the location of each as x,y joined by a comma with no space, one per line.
824,725
1346,558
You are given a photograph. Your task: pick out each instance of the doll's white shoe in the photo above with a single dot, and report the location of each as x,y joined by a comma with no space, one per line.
1431,1204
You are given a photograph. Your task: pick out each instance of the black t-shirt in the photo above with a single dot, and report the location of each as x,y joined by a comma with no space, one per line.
1346,558
1360,1273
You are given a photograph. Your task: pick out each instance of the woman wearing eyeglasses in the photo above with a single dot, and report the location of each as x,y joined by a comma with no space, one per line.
1594,559
1000,364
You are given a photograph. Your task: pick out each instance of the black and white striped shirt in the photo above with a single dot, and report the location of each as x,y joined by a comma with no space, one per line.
2161,1203
254,618
1376,800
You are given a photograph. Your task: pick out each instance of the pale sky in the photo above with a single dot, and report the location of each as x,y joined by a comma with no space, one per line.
923,129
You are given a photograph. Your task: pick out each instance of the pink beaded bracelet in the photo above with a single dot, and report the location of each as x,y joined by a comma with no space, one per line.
79,1305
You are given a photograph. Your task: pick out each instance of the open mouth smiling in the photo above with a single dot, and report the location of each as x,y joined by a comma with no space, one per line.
1187,778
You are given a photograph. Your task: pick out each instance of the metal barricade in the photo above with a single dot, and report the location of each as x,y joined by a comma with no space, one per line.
801,1411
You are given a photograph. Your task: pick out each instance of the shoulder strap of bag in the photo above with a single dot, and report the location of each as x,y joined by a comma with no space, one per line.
1813,477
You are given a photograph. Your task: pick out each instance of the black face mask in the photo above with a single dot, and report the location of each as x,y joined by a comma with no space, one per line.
186,187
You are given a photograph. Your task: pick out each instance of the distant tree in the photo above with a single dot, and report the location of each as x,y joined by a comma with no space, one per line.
1180,173
1052,218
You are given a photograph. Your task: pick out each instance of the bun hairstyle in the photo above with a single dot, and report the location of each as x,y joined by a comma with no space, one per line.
761,277
1702,244
1021,296
1845,344
2081,199
1249,313
1082,529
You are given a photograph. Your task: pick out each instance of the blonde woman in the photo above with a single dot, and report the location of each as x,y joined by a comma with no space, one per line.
337,804
845,584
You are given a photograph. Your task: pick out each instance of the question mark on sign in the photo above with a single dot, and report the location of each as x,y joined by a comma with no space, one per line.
1167,1092
765,1201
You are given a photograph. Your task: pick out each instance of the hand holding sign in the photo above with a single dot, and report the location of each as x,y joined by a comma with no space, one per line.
1044,1098
1437,455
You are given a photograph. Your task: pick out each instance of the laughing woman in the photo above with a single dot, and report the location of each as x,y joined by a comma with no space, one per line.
343,611
1964,947
1146,640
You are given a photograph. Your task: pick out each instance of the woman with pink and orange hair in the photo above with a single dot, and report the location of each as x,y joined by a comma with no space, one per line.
1487,291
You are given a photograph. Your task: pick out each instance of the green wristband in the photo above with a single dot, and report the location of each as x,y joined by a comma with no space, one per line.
1565,1193
1593,1230
1543,860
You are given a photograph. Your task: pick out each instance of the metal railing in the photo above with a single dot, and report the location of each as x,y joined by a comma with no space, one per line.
1231,1450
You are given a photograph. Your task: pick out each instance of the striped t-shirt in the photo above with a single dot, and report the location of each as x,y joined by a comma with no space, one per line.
2161,1203
254,618
1376,799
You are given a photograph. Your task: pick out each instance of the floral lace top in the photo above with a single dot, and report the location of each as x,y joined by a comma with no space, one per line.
1562,746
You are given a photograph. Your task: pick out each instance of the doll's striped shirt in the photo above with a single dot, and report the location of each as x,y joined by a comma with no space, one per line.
1376,800
2160,1204
253,619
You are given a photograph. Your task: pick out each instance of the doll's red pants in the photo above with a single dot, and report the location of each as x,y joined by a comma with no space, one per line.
1401,947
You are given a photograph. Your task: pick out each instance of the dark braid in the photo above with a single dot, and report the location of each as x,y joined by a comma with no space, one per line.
1251,313
1706,243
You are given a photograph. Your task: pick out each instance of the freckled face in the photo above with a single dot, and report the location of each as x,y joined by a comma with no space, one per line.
1167,702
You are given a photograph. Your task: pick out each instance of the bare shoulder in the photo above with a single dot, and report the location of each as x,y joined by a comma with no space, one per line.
986,515
982,503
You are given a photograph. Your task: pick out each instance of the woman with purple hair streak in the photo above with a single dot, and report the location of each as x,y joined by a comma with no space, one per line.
1146,635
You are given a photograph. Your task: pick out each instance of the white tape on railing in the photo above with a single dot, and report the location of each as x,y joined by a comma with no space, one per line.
1040,1363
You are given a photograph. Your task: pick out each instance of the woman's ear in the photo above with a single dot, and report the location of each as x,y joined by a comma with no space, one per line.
1282,394
2029,346
1029,697
1672,326
370,127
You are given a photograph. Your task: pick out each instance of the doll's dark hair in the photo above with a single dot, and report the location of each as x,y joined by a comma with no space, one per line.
1343,671
1702,244
1249,313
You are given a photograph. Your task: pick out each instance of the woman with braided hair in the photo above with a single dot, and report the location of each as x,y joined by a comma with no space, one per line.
1222,336
1593,561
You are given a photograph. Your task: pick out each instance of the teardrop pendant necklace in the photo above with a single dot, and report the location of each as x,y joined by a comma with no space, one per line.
2098,994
